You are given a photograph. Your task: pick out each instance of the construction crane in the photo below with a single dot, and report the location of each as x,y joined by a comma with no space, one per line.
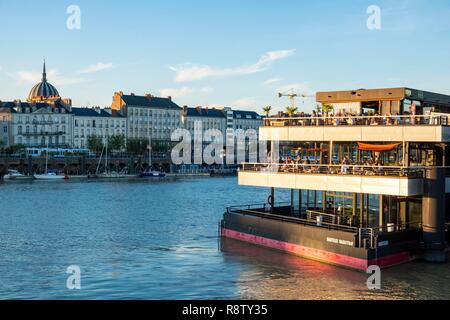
292,95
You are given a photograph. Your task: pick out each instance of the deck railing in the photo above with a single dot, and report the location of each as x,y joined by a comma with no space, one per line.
264,212
364,237
391,120
341,169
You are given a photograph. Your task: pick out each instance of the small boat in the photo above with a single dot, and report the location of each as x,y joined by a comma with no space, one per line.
50,175
16,175
107,175
149,173
152,174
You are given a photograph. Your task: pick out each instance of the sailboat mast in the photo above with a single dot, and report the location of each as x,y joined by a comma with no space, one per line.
46,158
99,161
106,157
149,128
149,151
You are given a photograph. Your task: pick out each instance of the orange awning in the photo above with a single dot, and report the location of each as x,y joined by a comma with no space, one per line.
377,147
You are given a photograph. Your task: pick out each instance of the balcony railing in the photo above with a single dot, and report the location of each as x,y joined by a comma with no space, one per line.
42,133
408,120
341,169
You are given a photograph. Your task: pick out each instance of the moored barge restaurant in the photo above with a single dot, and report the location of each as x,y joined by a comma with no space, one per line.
369,184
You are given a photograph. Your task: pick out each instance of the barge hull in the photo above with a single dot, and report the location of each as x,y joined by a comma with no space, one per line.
313,242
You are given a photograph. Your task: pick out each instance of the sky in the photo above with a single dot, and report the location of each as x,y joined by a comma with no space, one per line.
237,53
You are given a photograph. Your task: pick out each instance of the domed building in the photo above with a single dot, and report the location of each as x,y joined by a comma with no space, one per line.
43,91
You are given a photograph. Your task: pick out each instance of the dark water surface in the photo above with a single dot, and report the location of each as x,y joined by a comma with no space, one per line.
158,240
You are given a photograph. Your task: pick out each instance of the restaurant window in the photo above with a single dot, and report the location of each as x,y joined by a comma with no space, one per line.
373,210
390,210
414,213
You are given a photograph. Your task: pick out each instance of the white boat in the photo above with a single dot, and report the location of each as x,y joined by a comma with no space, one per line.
50,176
107,174
150,173
16,175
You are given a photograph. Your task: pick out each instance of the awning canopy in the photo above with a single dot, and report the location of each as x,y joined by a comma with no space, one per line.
377,147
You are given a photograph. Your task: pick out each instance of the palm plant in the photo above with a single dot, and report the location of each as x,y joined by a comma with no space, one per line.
291,111
327,108
267,110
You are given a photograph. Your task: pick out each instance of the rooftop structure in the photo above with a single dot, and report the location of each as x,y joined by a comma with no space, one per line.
385,101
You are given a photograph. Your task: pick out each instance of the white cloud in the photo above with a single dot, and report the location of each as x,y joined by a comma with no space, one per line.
178,92
31,77
245,102
191,72
271,81
206,90
175,92
99,66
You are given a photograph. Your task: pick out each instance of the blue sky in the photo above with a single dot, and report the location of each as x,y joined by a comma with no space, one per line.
212,53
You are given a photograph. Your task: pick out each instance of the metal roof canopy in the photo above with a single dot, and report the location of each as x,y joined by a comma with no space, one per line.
361,95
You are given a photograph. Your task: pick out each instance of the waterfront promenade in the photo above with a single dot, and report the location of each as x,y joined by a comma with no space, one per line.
83,165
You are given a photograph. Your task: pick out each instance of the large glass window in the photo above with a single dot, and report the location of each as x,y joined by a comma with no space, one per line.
414,213
390,210
373,210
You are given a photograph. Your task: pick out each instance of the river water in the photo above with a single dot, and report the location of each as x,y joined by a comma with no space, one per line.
140,239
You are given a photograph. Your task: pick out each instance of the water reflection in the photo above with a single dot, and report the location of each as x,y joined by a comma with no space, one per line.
275,275
158,240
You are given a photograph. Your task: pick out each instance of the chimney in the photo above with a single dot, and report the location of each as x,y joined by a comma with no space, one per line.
185,110
132,94
170,98
148,96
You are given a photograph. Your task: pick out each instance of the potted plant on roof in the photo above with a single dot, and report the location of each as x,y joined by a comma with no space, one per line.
326,109
267,110
291,111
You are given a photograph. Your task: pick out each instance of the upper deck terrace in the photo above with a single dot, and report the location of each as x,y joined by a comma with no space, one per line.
428,128
369,179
